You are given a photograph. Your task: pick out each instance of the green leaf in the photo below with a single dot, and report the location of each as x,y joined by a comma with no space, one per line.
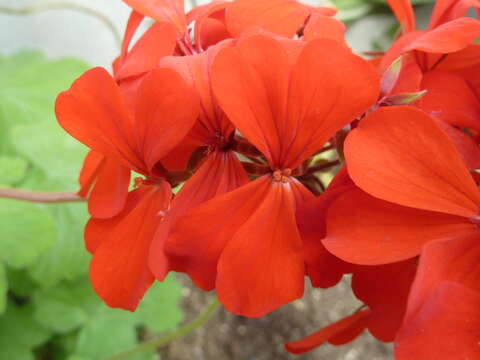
3,288
52,150
67,258
20,282
30,84
109,332
159,310
19,333
27,231
65,307
12,169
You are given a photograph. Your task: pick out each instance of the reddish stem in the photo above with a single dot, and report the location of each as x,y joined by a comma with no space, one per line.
40,197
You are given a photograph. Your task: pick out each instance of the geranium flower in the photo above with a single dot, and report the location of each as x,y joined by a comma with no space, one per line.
94,111
246,243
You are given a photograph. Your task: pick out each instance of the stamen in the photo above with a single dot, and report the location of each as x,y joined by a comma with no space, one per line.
282,175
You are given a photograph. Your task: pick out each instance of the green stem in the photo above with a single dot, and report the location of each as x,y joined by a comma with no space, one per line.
61,5
165,339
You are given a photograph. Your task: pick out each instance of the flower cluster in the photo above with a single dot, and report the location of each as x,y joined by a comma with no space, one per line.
234,106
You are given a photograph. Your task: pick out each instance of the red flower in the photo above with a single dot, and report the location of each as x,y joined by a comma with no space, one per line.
246,243
93,111
422,190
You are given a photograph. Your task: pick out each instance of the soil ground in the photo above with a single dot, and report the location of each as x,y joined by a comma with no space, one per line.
229,337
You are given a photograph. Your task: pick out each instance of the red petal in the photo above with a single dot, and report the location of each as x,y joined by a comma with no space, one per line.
109,193
262,266
446,327
158,41
404,13
198,239
320,26
446,10
329,87
94,112
134,21
369,231
465,144
401,155
167,107
385,289
195,69
253,92
451,99
91,164
282,17
210,26
345,330
169,11
448,37
454,260
324,269
220,173
119,271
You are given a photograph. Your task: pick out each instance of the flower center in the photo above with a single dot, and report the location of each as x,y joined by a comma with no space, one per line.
282,175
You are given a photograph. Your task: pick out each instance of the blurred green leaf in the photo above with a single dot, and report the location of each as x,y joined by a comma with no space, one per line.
65,307
12,169
3,288
27,231
20,334
108,332
30,84
20,282
67,258
52,150
159,309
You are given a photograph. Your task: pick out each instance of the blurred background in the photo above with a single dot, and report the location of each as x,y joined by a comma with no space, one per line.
47,308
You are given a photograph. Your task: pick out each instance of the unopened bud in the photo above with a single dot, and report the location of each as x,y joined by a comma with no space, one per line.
403,99
390,76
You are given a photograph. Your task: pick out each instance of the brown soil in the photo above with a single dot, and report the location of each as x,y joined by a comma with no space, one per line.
230,337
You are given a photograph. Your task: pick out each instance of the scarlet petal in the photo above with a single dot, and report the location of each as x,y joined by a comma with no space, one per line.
465,144
323,268
91,164
167,107
322,26
253,92
158,41
401,155
448,37
109,193
329,87
220,173
94,112
119,271
340,332
404,13
169,11
368,231
288,122
447,326
385,289
453,260
262,266
201,235
282,17
451,99
195,69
